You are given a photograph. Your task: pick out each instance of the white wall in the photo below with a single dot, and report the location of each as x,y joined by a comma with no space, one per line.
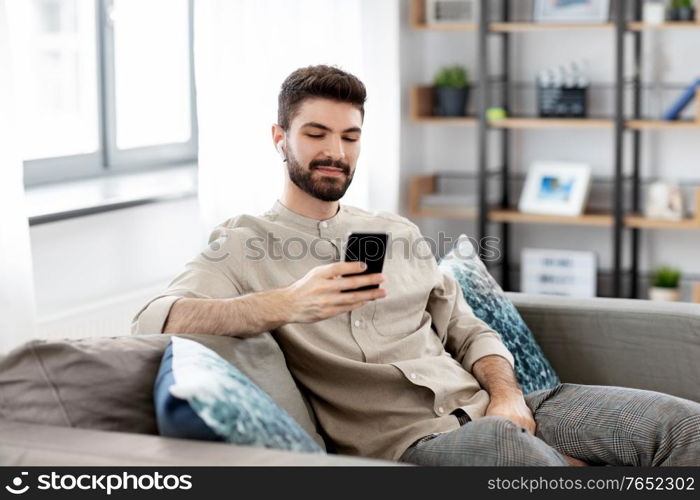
93,273
671,155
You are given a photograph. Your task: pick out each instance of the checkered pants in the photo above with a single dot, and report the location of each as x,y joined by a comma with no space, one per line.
596,424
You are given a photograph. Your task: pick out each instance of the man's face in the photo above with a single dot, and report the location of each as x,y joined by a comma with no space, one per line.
322,147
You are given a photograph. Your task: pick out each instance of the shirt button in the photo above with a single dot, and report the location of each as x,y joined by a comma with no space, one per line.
358,322
323,224
441,409
414,376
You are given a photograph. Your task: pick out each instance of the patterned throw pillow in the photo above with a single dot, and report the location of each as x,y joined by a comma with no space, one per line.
490,304
199,395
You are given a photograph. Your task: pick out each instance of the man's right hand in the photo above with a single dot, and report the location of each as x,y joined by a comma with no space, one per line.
318,295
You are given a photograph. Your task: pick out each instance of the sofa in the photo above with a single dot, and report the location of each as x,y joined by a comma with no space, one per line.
89,402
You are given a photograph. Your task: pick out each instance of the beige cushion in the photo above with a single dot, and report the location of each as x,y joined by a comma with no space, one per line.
107,383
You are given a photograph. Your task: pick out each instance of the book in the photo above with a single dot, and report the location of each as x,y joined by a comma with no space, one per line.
677,108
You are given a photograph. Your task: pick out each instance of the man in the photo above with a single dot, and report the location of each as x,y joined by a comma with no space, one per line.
406,371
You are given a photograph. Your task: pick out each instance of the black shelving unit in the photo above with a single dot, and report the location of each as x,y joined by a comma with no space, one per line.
495,21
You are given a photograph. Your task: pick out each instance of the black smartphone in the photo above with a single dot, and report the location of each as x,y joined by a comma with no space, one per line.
369,248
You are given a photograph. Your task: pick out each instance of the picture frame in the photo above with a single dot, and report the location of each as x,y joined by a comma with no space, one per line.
571,11
558,272
556,188
664,200
451,11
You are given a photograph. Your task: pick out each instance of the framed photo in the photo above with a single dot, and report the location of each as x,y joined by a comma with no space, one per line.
558,272
451,11
556,188
571,11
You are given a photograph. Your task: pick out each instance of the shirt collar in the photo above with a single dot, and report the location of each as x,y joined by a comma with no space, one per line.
286,215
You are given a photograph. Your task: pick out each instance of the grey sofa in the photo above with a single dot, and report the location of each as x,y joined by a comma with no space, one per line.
631,343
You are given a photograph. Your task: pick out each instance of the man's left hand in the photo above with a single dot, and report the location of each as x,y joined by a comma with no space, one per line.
514,408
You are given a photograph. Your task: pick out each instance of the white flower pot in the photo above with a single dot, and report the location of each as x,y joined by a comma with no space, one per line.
665,294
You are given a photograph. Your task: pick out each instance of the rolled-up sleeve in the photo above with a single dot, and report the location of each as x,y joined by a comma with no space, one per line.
208,276
466,337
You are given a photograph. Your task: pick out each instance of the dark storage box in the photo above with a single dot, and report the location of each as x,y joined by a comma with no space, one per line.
562,102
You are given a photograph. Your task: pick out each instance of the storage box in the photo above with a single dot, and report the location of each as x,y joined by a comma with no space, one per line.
562,102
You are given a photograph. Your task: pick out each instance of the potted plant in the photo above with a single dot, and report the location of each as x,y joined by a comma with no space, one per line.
452,91
665,281
681,10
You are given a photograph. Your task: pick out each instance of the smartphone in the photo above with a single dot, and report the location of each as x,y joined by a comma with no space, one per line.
369,248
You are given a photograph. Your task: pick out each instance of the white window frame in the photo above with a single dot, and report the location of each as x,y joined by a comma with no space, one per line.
109,159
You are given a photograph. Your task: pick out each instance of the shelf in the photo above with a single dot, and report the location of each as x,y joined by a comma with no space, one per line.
528,27
636,26
535,123
467,121
418,21
603,220
641,222
663,125
421,110
424,185
632,26
467,27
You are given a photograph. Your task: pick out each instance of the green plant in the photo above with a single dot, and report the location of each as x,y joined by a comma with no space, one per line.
452,76
679,4
666,277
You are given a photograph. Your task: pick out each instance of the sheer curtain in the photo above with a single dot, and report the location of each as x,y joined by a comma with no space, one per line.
16,283
243,51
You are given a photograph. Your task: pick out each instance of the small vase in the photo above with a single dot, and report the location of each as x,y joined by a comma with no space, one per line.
451,101
664,294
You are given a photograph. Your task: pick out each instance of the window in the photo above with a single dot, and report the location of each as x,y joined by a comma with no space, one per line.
103,85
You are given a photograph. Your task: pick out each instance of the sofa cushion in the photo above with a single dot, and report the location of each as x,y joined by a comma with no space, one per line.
490,304
107,383
199,395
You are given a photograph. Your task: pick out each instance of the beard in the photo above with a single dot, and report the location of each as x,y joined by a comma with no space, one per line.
324,188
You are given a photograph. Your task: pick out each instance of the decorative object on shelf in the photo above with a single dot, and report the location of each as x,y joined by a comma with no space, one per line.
556,188
558,272
681,10
654,12
451,91
571,11
665,284
444,200
562,93
451,11
664,201
493,114
674,112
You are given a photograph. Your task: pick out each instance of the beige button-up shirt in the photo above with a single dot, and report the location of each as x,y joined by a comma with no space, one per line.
379,377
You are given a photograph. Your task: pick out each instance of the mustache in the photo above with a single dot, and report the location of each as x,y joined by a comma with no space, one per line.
330,163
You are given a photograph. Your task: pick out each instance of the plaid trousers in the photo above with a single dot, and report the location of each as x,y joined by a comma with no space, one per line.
597,424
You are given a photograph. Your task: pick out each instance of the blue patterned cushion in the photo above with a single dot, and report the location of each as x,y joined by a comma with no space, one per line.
490,304
199,395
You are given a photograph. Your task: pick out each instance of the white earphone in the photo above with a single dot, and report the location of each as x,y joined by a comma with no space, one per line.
280,150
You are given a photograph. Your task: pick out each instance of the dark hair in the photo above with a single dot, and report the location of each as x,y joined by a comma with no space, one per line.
328,82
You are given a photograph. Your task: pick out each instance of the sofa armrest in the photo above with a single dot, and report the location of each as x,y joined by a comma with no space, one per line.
23,444
630,343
